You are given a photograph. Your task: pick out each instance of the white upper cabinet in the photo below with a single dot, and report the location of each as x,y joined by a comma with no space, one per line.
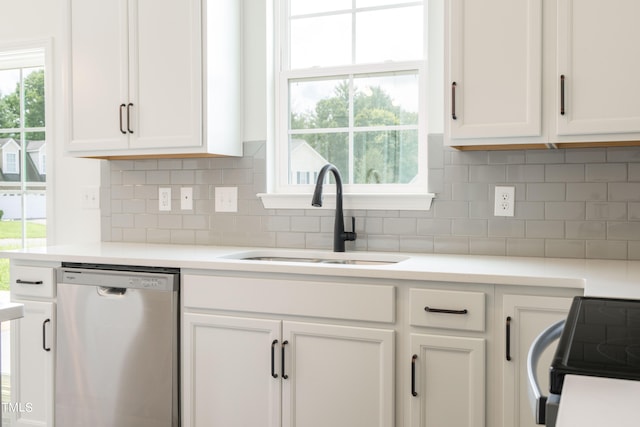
542,72
598,67
99,73
141,75
494,70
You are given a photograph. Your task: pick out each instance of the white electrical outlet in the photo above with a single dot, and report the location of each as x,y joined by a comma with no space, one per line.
186,198
505,201
164,199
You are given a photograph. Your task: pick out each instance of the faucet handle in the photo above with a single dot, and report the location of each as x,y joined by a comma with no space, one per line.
351,235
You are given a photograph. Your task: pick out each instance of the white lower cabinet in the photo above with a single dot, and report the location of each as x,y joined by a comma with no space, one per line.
447,381
448,363
244,370
524,317
337,376
227,371
32,365
33,346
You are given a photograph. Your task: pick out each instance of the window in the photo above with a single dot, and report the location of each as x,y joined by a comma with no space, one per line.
23,142
10,162
351,88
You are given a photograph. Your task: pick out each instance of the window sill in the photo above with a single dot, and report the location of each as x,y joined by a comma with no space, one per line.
401,202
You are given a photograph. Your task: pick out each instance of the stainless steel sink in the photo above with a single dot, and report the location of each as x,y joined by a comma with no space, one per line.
318,258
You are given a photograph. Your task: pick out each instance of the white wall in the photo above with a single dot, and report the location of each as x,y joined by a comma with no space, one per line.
26,20
256,63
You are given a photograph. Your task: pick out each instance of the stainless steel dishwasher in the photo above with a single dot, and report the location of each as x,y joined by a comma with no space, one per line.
117,346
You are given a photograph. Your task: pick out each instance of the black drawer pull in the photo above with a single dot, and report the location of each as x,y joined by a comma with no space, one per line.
273,359
444,310
29,282
129,105
414,393
285,376
453,101
562,78
508,339
122,106
44,335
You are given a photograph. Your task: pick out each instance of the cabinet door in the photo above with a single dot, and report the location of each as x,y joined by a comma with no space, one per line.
99,74
598,60
337,376
495,68
32,365
165,47
227,371
527,316
448,378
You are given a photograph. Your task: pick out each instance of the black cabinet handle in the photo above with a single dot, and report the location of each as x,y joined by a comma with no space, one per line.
508,339
444,310
129,117
44,335
562,78
453,101
414,393
29,282
120,111
273,359
285,376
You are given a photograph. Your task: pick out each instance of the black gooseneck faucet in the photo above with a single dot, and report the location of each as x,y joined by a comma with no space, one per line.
339,235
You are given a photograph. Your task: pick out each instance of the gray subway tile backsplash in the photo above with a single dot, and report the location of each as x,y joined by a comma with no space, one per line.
582,203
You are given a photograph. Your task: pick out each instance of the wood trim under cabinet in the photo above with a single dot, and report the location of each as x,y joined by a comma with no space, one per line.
555,145
156,156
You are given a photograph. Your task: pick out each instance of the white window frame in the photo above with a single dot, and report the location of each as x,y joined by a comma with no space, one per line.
27,54
282,195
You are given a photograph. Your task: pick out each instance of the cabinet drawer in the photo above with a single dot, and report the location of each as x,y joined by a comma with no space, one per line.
334,300
33,281
448,309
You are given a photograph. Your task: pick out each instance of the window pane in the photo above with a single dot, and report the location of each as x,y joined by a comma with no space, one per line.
389,157
309,152
323,41
35,216
34,97
9,99
386,100
303,7
319,104
389,35
10,167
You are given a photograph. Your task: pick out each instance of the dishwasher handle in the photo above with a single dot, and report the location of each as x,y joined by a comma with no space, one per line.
537,401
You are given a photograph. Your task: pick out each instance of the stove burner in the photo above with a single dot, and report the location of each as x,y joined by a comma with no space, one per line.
624,352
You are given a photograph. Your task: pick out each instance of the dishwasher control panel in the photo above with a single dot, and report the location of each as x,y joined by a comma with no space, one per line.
113,278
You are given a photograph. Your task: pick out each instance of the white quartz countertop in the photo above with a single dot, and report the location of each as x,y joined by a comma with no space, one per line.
606,278
10,311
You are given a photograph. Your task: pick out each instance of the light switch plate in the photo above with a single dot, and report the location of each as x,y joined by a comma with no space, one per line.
164,199
91,197
226,199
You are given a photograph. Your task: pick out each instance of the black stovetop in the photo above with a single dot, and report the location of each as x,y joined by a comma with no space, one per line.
601,338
